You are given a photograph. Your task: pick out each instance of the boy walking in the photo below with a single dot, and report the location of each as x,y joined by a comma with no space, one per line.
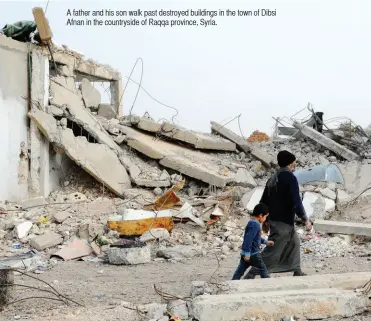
251,252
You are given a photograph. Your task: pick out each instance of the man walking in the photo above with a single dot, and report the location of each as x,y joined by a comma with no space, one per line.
282,196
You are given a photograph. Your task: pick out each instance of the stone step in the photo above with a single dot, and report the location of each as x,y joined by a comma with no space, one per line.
337,227
346,281
309,303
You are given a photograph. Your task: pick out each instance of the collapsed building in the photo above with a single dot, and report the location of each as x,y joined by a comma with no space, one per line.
53,119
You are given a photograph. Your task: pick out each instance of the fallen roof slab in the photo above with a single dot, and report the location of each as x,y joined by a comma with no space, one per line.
63,95
196,139
97,159
266,159
336,227
310,304
345,281
196,164
326,142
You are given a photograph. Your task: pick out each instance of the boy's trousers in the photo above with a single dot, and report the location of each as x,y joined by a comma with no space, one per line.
256,261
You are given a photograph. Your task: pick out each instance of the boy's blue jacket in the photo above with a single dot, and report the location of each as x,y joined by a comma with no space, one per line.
252,239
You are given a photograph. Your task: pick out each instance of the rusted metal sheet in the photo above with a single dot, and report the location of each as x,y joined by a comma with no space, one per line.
136,222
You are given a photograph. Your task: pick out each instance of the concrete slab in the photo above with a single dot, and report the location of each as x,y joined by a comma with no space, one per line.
228,134
106,111
196,164
316,206
266,159
198,140
97,159
90,95
345,281
310,304
244,178
336,227
326,142
252,198
72,100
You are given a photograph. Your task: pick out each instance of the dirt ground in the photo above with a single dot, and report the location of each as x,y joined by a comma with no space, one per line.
101,287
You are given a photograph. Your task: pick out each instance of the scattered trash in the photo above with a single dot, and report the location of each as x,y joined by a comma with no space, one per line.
16,246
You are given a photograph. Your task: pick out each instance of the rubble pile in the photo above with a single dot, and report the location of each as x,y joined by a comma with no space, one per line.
258,137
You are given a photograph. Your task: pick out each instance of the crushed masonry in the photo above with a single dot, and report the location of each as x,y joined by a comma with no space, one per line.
114,173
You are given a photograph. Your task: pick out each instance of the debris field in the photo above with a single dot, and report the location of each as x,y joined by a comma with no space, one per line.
148,217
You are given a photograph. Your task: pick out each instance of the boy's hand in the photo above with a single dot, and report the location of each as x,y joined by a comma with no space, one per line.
246,258
270,243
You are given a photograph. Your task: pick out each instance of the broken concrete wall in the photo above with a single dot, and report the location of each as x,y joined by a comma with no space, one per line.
13,118
99,160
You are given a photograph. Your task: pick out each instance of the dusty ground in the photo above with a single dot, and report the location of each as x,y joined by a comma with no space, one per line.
102,287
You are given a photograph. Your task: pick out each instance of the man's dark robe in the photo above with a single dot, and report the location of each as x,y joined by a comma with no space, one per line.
282,196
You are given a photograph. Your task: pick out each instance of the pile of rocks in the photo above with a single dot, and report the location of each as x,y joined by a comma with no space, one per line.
258,137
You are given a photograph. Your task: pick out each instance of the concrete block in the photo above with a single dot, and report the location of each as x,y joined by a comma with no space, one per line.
60,217
45,241
178,308
90,95
266,159
155,234
336,227
342,197
244,178
252,198
345,281
129,256
194,170
310,304
328,193
106,111
317,206
32,202
23,229
326,142
179,252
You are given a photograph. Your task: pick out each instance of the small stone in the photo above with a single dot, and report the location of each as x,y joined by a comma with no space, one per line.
23,229
178,308
66,183
158,191
60,217
155,234
45,241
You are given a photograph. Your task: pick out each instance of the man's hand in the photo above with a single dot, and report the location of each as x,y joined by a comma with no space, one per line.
246,258
270,243
308,225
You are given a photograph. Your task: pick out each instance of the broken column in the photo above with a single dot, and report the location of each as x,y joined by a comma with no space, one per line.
266,159
39,145
326,142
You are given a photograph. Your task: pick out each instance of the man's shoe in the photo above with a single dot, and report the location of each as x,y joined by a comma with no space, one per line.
299,273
